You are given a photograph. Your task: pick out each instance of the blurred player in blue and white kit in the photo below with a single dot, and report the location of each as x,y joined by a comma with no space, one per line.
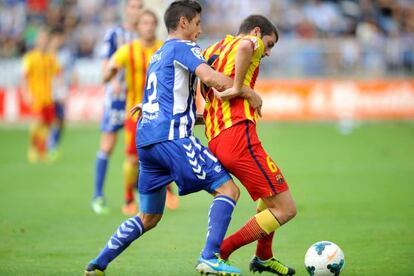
167,149
114,106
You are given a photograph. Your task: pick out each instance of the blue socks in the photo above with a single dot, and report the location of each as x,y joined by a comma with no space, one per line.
218,221
127,232
100,172
54,137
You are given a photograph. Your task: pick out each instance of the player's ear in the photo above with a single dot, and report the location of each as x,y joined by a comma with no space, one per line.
183,22
256,32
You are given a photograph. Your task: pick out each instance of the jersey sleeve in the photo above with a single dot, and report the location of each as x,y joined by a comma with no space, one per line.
109,45
120,57
190,55
257,44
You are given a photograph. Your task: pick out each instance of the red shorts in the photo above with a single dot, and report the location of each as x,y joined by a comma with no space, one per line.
240,151
130,134
47,114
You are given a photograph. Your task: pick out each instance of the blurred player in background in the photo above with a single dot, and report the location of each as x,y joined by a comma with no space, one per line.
134,58
40,68
60,88
114,109
231,130
167,149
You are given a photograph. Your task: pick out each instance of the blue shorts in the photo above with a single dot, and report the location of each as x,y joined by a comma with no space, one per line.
114,111
186,162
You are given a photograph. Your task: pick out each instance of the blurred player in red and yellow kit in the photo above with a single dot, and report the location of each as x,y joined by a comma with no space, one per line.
134,58
230,120
40,67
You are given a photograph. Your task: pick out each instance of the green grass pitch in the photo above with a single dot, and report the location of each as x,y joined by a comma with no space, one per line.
355,190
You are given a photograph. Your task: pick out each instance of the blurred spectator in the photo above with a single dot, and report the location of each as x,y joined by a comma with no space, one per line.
368,34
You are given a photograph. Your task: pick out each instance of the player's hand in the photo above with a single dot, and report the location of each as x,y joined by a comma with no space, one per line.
227,94
136,109
256,103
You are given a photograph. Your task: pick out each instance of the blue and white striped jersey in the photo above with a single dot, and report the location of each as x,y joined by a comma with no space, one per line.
115,38
169,108
114,104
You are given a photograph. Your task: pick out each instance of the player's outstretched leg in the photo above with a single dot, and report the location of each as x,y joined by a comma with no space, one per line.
127,232
219,218
264,260
262,226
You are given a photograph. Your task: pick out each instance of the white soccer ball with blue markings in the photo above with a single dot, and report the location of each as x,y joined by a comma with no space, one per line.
324,258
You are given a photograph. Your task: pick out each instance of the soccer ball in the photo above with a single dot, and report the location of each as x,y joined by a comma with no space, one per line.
324,258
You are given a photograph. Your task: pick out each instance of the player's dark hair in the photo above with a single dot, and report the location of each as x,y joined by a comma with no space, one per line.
56,31
151,13
187,8
255,20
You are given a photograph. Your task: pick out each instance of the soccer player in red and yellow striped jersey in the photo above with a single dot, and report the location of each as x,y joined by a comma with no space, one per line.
134,57
230,121
220,115
40,67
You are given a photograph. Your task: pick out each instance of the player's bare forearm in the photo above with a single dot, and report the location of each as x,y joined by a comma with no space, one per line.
243,59
224,83
219,81
109,74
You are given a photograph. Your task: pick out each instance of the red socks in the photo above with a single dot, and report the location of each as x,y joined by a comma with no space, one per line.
250,232
264,247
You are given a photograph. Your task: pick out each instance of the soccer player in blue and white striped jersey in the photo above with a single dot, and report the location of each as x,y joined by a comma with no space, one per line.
114,106
167,149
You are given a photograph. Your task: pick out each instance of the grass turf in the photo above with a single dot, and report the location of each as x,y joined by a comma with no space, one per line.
355,190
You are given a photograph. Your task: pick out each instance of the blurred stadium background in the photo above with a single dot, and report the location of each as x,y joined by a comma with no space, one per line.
365,46
338,96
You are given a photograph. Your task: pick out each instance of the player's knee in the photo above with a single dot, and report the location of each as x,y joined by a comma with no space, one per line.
106,149
290,210
235,193
231,190
108,141
149,221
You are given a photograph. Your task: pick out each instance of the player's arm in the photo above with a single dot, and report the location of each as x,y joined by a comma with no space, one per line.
110,48
221,82
26,94
110,71
243,59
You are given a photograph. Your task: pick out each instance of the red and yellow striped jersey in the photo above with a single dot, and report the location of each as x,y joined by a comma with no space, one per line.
134,58
40,69
220,115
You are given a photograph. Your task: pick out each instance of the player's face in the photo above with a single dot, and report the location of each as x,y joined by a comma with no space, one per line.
193,29
56,41
147,27
42,40
133,10
269,41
